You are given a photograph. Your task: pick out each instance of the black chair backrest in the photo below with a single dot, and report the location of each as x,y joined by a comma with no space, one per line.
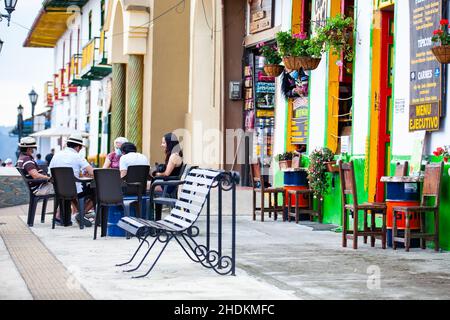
108,186
24,176
64,182
138,174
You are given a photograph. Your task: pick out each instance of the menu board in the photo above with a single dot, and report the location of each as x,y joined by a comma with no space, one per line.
425,70
299,124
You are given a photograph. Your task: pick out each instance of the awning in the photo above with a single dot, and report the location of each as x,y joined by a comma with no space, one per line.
59,132
50,23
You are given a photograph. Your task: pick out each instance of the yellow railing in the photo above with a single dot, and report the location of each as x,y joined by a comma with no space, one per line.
87,60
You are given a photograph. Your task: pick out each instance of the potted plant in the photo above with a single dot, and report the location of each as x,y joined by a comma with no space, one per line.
272,57
443,152
317,171
336,35
299,51
442,38
284,160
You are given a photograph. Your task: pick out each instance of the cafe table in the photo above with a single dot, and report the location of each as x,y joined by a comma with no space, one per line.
402,191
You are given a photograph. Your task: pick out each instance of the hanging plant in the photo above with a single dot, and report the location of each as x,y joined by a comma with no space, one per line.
336,36
284,160
272,57
442,38
299,51
317,171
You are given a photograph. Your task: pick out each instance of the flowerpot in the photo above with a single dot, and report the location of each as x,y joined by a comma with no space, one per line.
273,70
442,53
292,63
331,166
285,164
309,63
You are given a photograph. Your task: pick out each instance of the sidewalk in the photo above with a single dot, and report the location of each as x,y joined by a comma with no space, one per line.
275,260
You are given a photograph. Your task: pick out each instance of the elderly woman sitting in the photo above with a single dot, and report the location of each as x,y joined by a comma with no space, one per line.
113,159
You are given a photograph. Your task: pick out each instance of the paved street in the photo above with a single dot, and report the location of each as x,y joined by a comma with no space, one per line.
275,260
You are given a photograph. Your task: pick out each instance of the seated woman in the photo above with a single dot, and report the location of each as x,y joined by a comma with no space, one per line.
113,159
173,159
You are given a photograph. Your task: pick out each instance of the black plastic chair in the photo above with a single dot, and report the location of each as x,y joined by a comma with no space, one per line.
65,189
108,194
136,184
34,199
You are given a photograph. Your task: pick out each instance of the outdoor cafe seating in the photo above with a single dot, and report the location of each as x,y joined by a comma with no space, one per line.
352,206
430,192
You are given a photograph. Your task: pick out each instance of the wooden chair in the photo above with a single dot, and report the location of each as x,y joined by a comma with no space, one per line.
431,189
348,187
309,210
401,169
263,189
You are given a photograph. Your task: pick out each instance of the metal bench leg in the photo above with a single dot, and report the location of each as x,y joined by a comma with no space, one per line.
135,253
143,259
154,263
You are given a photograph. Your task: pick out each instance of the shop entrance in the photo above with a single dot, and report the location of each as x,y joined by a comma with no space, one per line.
385,99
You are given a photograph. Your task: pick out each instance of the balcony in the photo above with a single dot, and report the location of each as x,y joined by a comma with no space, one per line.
93,63
74,74
48,91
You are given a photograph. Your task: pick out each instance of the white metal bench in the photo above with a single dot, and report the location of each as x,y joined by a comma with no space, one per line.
179,224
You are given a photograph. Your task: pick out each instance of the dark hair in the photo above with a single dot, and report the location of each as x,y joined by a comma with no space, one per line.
128,147
172,145
38,156
73,145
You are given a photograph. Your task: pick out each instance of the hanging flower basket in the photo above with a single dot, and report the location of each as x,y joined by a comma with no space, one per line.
292,63
273,70
309,63
442,53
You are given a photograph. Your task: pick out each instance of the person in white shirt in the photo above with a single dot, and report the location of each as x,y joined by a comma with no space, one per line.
130,157
70,157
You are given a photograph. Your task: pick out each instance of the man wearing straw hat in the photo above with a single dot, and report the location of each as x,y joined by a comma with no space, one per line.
26,162
70,157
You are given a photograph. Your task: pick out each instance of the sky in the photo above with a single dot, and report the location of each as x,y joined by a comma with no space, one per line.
21,69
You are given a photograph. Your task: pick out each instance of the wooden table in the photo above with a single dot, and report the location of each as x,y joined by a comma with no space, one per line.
401,191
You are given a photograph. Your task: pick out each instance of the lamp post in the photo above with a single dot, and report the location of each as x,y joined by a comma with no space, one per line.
1,45
19,126
10,6
33,99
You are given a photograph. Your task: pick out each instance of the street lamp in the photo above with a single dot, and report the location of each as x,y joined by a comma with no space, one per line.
19,125
10,6
33,99
1,45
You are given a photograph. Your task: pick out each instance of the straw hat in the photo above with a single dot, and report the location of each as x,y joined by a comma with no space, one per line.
77,139
27,142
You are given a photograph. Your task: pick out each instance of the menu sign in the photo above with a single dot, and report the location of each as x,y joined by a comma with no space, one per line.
425,70
299,124
261,15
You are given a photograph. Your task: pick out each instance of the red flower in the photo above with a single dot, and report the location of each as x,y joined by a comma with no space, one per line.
445,159
443,22
439,31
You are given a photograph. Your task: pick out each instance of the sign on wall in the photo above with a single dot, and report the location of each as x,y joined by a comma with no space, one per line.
425,70
299,125
261,15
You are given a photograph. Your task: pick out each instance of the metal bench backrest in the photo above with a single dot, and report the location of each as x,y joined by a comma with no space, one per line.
192,197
